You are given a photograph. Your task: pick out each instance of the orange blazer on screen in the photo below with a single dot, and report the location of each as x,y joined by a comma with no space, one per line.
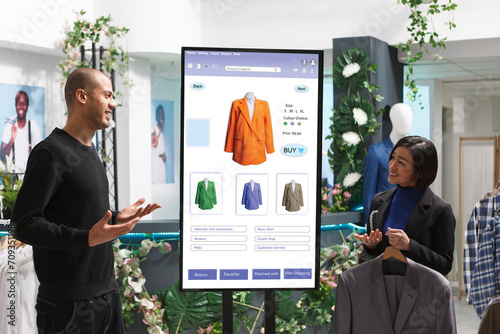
249,139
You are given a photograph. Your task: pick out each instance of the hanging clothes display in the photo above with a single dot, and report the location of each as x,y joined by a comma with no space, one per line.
484,210
368,301
18,290
493,192
485,282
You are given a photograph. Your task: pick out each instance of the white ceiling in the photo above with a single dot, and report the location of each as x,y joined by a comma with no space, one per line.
468,67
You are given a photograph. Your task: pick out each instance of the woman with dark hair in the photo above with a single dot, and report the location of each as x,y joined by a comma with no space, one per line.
411,217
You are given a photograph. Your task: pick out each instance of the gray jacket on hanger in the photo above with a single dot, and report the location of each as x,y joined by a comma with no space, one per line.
364,305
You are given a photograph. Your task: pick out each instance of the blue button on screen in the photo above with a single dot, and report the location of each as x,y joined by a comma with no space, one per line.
266,274
202,274
291,273
233,274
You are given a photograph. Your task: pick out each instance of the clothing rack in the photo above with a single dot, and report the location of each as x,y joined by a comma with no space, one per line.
480,254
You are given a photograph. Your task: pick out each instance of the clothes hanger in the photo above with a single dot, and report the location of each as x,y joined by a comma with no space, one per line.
3,242
391,251
393,262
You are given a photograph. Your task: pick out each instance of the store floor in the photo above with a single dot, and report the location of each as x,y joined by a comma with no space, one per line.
467,319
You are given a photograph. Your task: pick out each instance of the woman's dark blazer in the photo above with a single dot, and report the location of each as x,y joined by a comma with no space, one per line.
431,229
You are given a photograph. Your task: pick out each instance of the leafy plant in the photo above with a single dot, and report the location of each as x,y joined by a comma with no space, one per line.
423,33
11,183
191,309
353,119
85,33
134,295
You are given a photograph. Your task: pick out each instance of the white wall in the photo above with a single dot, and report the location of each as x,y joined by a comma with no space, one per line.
312,24
168,194
166,25
427,122
133,137
156,26
38,22
479,115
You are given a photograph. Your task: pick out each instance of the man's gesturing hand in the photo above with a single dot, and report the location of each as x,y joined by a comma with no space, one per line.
124,223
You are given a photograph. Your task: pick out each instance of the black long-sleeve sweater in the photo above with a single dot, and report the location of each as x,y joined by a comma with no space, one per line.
64,193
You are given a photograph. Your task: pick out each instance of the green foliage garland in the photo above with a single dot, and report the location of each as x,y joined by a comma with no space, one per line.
423,33
352,120
134,296
84,32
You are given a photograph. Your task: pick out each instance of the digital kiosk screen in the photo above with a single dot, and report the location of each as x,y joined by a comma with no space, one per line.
250,160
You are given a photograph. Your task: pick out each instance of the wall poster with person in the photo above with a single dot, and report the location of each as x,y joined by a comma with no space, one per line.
22,120
162,141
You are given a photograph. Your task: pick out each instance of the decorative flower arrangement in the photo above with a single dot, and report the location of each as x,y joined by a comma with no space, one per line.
87,33
152,313
359,116
350,70
351,179
334,200
351,138
134,296
181,311
353,119
215,328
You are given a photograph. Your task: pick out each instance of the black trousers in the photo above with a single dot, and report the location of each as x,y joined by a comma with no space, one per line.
99,315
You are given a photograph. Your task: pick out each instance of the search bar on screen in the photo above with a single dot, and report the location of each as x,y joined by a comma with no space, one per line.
253,69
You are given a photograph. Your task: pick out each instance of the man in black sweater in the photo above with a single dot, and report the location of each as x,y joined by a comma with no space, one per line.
63,211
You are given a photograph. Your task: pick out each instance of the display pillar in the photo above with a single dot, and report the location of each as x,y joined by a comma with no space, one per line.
389,76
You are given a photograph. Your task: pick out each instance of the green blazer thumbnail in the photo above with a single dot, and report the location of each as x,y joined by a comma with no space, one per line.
205,195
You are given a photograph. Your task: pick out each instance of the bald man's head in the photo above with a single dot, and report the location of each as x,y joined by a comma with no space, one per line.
81,78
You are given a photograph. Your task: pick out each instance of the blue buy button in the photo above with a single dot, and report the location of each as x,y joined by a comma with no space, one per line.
202,274
265,274
294,150
290,273
234,274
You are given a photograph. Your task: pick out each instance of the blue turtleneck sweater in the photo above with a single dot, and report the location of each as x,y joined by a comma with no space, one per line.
402,206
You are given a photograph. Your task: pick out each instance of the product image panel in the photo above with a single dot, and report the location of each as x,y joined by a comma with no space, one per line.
249,131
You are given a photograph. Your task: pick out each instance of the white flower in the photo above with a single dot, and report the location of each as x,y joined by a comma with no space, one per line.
359,116
350,70
124,253
351,179
351,138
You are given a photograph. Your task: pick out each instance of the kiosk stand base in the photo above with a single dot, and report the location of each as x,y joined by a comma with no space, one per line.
227,312
269,312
